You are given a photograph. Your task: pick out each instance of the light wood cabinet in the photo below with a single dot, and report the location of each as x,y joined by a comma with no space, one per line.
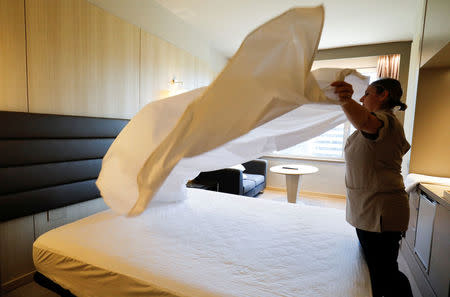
13,79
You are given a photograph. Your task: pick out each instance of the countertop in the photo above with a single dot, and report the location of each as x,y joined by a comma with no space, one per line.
436,192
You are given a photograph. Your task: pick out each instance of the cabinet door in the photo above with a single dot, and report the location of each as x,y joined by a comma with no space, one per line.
413,210
439,274
424,232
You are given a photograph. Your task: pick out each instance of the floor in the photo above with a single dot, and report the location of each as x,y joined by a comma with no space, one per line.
34,290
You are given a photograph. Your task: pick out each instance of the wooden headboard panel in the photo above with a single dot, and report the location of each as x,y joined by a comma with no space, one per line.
50,161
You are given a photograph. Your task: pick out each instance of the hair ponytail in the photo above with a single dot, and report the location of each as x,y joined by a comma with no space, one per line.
395,92
403,106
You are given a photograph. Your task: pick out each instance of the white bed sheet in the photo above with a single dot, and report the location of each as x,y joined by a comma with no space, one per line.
212,244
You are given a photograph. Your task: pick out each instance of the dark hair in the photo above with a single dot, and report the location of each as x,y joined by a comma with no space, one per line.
395,92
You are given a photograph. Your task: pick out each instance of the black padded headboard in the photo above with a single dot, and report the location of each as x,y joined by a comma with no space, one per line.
50,161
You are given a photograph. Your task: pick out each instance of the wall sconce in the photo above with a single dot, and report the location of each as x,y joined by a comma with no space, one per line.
174,81
175,88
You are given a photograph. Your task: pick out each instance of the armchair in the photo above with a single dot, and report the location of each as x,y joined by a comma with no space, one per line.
249,182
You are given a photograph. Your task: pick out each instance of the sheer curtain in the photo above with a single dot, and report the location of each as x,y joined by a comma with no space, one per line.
388,66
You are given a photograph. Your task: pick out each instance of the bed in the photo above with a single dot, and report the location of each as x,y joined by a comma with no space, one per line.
212,244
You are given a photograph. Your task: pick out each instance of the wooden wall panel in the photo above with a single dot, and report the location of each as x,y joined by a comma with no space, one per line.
431,141
13,81
54,218
204,74
16,241
149,78
161,61
81,60
186,70
85,209
48,220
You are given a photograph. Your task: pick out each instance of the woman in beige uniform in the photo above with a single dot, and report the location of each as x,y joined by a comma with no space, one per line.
377,204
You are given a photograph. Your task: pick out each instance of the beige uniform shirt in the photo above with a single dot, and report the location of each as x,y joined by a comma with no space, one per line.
376,197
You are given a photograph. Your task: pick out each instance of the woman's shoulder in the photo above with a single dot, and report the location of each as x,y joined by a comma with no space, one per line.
392,129
388,118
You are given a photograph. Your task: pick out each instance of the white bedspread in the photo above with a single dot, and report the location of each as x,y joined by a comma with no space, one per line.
212,244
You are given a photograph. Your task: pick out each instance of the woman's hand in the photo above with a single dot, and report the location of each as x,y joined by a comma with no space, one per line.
357,114
344,90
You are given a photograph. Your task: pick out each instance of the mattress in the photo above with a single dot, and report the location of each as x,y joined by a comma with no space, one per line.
212,244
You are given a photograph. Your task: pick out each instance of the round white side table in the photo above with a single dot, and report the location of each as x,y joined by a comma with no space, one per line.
293,173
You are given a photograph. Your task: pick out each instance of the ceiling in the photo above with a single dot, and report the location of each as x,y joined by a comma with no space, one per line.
347,22
441,59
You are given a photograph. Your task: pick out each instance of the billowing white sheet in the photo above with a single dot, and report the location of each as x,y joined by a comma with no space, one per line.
212,244
265,99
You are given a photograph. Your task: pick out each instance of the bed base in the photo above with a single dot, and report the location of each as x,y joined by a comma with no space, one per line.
47,283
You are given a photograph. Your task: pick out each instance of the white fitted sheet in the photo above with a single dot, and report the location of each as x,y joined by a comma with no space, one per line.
212,244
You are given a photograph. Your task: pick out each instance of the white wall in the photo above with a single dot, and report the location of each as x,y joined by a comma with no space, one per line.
328,180
413,78
358,62
155,19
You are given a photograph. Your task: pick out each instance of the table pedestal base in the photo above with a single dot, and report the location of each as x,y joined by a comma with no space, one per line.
292,185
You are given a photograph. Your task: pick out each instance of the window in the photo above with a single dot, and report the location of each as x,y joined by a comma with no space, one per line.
371,72
329,145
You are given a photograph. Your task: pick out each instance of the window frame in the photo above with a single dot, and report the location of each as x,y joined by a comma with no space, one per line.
347,132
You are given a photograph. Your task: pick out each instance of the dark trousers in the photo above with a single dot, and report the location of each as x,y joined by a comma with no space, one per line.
381,252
